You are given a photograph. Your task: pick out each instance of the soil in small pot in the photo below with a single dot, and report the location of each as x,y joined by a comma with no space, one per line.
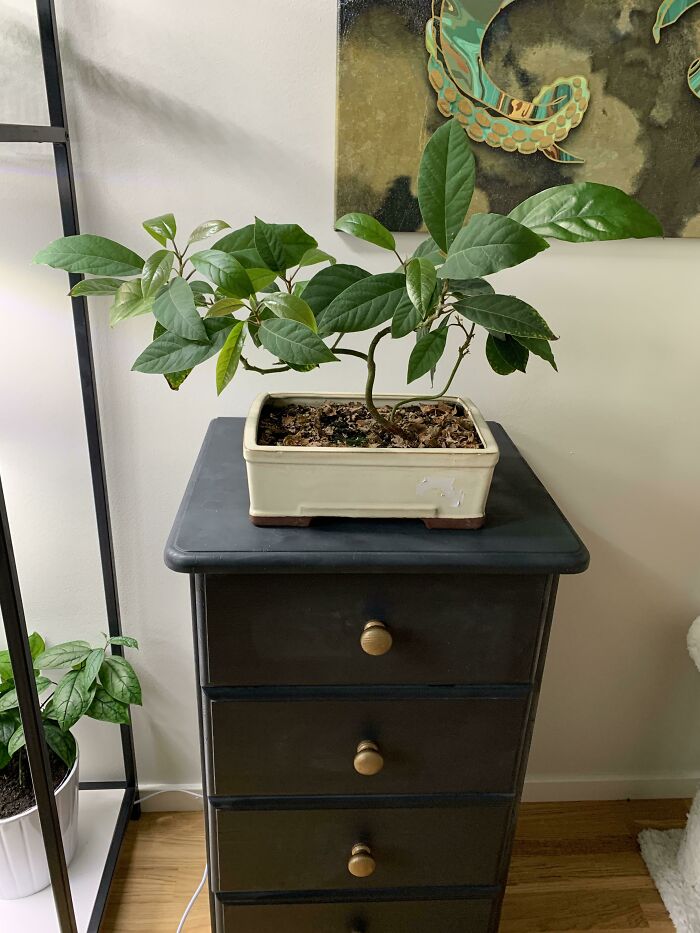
349,424
16,797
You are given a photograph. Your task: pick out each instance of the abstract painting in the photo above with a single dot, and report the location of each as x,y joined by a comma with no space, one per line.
549,92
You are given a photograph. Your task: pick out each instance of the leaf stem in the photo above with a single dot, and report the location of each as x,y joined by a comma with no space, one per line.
263,372
398,256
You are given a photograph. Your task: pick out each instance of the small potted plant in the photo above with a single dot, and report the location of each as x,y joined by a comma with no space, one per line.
99,685
426,455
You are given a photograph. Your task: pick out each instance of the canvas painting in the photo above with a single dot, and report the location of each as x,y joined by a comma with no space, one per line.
549,92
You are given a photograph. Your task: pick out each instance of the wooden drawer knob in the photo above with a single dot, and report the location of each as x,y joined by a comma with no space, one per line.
361,864
376,638
368,759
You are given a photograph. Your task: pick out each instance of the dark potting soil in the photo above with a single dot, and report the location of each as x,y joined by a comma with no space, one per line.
16,797
349,424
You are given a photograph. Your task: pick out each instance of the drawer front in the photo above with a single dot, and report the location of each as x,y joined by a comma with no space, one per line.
308,747
309,850
472,916
305,629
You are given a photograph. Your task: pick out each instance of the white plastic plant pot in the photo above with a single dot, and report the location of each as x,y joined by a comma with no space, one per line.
23,866
446,488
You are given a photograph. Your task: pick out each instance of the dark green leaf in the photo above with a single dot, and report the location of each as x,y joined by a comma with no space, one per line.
125,640
91,255
70,700
585,212
405,319
426,353
119,679
291,307
93,663
293,342
96,287
129,302
367,228
421,283
467,288
225,271
107,709
8,726
156,271
229,357
488,244
364,305
327,284
541,348
314,256
16,742
207,229
446,183
161,228
237,240
175,310
5,665
505,355
61,744
201,288
429,249
4,757
506,315
174,380
170,353
281,246
63,655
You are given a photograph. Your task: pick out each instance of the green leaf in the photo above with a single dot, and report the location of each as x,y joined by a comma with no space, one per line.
506,315
426,353
8,726
429,249
63,655
281,246
129,302
119,679
5,665
225,271
299,288
366,228
586,212
70,700
156,271
176,311
174,380
327,284
96,287
93,663
467,288
61,743
229,357
421,282
237,240
16,742
505,355
4,757
161,228
292,308
405,319
364,305
201,288
541,348
446,183
126,640
489,243
170,353
314,256
91,255
224,307
37,645
207,229
293,342
107,709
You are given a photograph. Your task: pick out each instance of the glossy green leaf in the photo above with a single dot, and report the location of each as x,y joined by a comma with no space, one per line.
364,305
506,315
37,645
505,355
225,271
161,228
119,679
230,357
93,663
126,641
224,307
327,284
63,655
170,353
129,302
91,255
175,310
96,287
207,229
293,342
10,700
17,741
421,283
314,256
541,348
156,271
427,353
489,243
585,212
70,700
367,228
281,246
238,240
61,743
107,709
291,307
446,182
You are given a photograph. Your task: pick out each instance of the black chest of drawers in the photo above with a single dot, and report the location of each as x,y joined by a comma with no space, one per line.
367,692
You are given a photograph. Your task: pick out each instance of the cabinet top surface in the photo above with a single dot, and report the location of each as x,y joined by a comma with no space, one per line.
524,532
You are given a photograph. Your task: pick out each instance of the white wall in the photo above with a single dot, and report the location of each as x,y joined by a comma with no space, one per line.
227,110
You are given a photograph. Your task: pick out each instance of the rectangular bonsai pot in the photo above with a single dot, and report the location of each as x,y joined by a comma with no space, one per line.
446,488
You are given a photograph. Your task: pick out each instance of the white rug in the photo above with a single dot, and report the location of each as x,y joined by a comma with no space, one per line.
682,900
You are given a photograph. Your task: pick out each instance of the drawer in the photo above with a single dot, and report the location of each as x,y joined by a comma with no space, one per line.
308,747
309,849
468,916
305,629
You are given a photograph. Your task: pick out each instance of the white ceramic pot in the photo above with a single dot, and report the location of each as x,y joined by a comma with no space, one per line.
290,485
23,866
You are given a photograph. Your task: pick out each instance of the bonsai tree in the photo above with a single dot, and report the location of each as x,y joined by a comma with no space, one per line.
252,290
99,685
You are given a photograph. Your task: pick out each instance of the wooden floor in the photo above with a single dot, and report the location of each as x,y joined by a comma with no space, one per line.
576,867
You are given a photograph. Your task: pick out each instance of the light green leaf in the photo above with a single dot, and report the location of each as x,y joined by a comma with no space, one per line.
175,310
293,342
129,302
70,700
37,645
281,246
107,709
429,249
421,284
327,284
63,655
156,271
364,305
10,700
367,228
161,228
207,229
585,212
125,640
292,308
506,315
5,665
229,357
16,742
61,743
170,353
314,256
93,663
426,353
488,244
96,287
225,271
91,255
541,348
119,679
224,307
446,182
505,355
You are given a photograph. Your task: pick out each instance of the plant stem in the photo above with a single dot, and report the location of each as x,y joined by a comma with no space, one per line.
369,388
263,372
398,256
357,353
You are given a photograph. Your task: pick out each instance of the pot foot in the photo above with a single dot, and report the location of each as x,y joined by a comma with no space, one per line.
286,521
455,523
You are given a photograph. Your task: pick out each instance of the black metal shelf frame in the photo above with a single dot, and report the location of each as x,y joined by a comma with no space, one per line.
56,134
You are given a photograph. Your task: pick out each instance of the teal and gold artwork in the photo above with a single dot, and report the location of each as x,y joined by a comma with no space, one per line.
549,92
